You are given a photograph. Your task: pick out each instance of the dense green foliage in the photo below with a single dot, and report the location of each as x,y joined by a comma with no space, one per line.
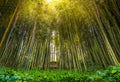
111,74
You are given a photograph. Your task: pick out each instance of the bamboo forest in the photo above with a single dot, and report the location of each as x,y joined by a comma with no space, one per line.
59,40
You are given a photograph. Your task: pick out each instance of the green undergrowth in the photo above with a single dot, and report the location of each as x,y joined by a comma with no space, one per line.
111,74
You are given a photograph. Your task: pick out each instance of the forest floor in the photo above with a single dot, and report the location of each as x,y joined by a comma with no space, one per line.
111,74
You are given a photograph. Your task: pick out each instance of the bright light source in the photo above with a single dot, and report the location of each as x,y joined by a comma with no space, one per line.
53,1
49,1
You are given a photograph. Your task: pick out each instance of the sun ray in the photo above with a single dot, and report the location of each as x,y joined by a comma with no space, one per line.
49,1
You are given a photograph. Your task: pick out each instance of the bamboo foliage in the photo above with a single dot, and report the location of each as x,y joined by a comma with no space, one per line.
83,34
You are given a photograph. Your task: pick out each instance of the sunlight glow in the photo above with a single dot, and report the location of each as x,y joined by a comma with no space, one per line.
49,1
53,1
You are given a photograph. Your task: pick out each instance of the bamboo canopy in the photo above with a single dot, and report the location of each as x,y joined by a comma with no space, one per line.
65,34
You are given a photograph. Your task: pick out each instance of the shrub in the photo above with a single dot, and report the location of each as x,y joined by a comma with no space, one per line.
112,74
